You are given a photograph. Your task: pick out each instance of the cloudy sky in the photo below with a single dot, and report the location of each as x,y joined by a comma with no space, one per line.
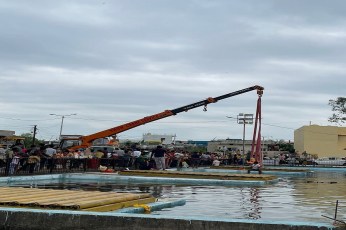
112,62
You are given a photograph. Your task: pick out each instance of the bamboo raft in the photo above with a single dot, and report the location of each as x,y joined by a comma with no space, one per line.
198,175
70,200
230,167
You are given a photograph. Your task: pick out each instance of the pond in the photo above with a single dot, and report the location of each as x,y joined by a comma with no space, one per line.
293,198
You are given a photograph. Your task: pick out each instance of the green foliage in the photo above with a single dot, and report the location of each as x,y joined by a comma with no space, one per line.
338,106
29,138
289,147
129,144
282,145
191,149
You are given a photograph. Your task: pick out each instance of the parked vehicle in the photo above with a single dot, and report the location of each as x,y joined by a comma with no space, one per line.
333,161
269,161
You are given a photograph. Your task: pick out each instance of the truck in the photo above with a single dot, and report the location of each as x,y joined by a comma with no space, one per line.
330,161
12,141
73,143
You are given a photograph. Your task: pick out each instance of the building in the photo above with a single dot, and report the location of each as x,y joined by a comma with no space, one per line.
154,139
6,133
323,141
234,145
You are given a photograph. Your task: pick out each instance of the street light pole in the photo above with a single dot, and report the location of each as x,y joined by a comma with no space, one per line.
244,118
62,121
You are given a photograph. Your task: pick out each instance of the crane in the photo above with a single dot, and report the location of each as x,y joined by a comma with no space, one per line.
87,141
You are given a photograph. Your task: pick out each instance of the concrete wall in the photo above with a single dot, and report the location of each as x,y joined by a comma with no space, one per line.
325,141
20,219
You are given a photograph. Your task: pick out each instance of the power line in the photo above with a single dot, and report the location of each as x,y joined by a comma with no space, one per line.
20,119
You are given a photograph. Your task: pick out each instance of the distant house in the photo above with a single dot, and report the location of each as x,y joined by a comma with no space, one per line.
153,139
6,133
324,141
236,145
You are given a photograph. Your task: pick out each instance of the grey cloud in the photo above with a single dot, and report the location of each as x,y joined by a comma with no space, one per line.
124,60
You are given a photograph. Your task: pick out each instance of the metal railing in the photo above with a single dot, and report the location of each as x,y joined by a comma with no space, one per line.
22,166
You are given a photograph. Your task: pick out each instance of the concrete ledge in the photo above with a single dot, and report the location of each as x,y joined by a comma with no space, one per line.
19,219
113,177
28,179
162,180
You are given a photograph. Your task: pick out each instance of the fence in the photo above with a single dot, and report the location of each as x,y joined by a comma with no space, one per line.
21,166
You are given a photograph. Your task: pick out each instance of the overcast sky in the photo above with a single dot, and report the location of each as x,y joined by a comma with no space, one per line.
112,62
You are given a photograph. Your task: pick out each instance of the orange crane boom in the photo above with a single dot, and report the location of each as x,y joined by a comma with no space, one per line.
86,141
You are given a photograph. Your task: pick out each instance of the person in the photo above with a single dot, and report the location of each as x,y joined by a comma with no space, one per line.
255,167
135,155
2,156
179,157
104,158
159,157
14,162
251,161
33,161
216,162
169,158
195,159
143,163
50,152
184,164
205,159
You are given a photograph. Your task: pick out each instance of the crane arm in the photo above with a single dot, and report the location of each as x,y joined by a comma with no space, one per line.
86,141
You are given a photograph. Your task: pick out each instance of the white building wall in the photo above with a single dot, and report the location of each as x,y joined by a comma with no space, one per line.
165,139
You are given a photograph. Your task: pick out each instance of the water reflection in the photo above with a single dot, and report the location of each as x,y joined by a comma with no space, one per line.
254,200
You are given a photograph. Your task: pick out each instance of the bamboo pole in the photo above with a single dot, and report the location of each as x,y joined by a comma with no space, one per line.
120,205
69,200
93,203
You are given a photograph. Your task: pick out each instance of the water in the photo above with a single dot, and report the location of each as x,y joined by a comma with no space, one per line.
304,198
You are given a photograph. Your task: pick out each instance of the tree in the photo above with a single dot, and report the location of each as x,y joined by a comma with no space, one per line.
28,139
284,146
338,106
196,149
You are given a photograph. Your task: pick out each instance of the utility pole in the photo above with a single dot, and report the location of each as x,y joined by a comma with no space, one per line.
34,136
62,120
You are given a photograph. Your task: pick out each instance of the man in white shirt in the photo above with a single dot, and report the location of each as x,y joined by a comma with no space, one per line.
136,153
255,167
50,151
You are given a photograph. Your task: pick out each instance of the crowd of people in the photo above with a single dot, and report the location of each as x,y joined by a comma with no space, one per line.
43,157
